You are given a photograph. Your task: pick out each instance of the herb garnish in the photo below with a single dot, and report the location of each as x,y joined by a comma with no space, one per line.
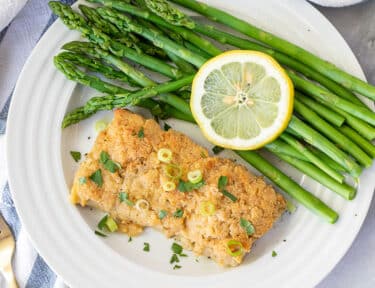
166,127
221,183
188,186
82,180
216,149
75,155
179,213
100,233
109,165
247,226
124,197
176,267
141,133
274,254
176,248
162,214
174,259
146,247
96,177
130,239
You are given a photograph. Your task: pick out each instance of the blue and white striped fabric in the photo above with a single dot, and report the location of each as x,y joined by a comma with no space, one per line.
16,43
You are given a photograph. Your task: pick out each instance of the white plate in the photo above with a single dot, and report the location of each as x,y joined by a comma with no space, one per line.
41,171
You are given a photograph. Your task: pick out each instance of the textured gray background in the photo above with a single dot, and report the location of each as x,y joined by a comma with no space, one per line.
357,26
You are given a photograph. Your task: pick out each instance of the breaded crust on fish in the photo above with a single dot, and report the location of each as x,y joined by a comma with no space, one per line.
133,142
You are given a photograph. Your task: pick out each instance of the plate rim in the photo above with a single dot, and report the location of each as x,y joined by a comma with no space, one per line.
12,112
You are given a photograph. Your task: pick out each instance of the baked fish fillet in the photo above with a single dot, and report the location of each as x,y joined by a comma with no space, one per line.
133,142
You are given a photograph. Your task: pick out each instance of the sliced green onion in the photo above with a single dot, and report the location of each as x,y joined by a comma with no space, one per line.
142,204
274,254
177,267
207,208
229,195
162,214
109,165
141,133
164,155
234,248
188,186
222,182
146,247
82,180
195,176
247,226
100,125
173,171
111,224
168,186
176,248
124,197
174,259
217,149
100,233
102,222
290,206
179,213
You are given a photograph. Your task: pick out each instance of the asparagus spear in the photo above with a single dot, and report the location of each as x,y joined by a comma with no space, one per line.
324,112
185,33
94,65
325,96
307,199
110,102
279,146
330,132
363,143
312,158
126,24
324,67
72,73
76,22
319,141
342,189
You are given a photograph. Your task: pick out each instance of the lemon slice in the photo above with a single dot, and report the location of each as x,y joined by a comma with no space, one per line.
242,100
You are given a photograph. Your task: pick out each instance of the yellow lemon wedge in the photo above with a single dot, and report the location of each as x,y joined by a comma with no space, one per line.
242,99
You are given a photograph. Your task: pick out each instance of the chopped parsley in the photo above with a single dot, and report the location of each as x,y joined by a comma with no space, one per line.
174,259
274,254
221,183
188,186
141,133
166,127
176,248
124,197
162,214
75,155
109,165
97,178
247,226
146,247
82,180
100,233
176,267
179,213
216,149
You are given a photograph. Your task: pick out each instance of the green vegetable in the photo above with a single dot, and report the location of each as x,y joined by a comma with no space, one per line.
111,224
229,195
178,213
176,248
174,259
130,239
222,182
166,127
290,207
96,177
162,214
146,247
195,176
367,146
109,165
187,34
177,267
102,222
100,233
216,149
75,155
188,186
311,157
82,180
124,197
247,226
234,248
274,254
141,133
326,68
332,133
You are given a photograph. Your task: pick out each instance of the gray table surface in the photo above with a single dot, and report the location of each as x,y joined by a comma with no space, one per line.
357,26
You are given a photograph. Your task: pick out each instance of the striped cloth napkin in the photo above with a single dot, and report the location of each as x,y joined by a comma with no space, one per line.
16,43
